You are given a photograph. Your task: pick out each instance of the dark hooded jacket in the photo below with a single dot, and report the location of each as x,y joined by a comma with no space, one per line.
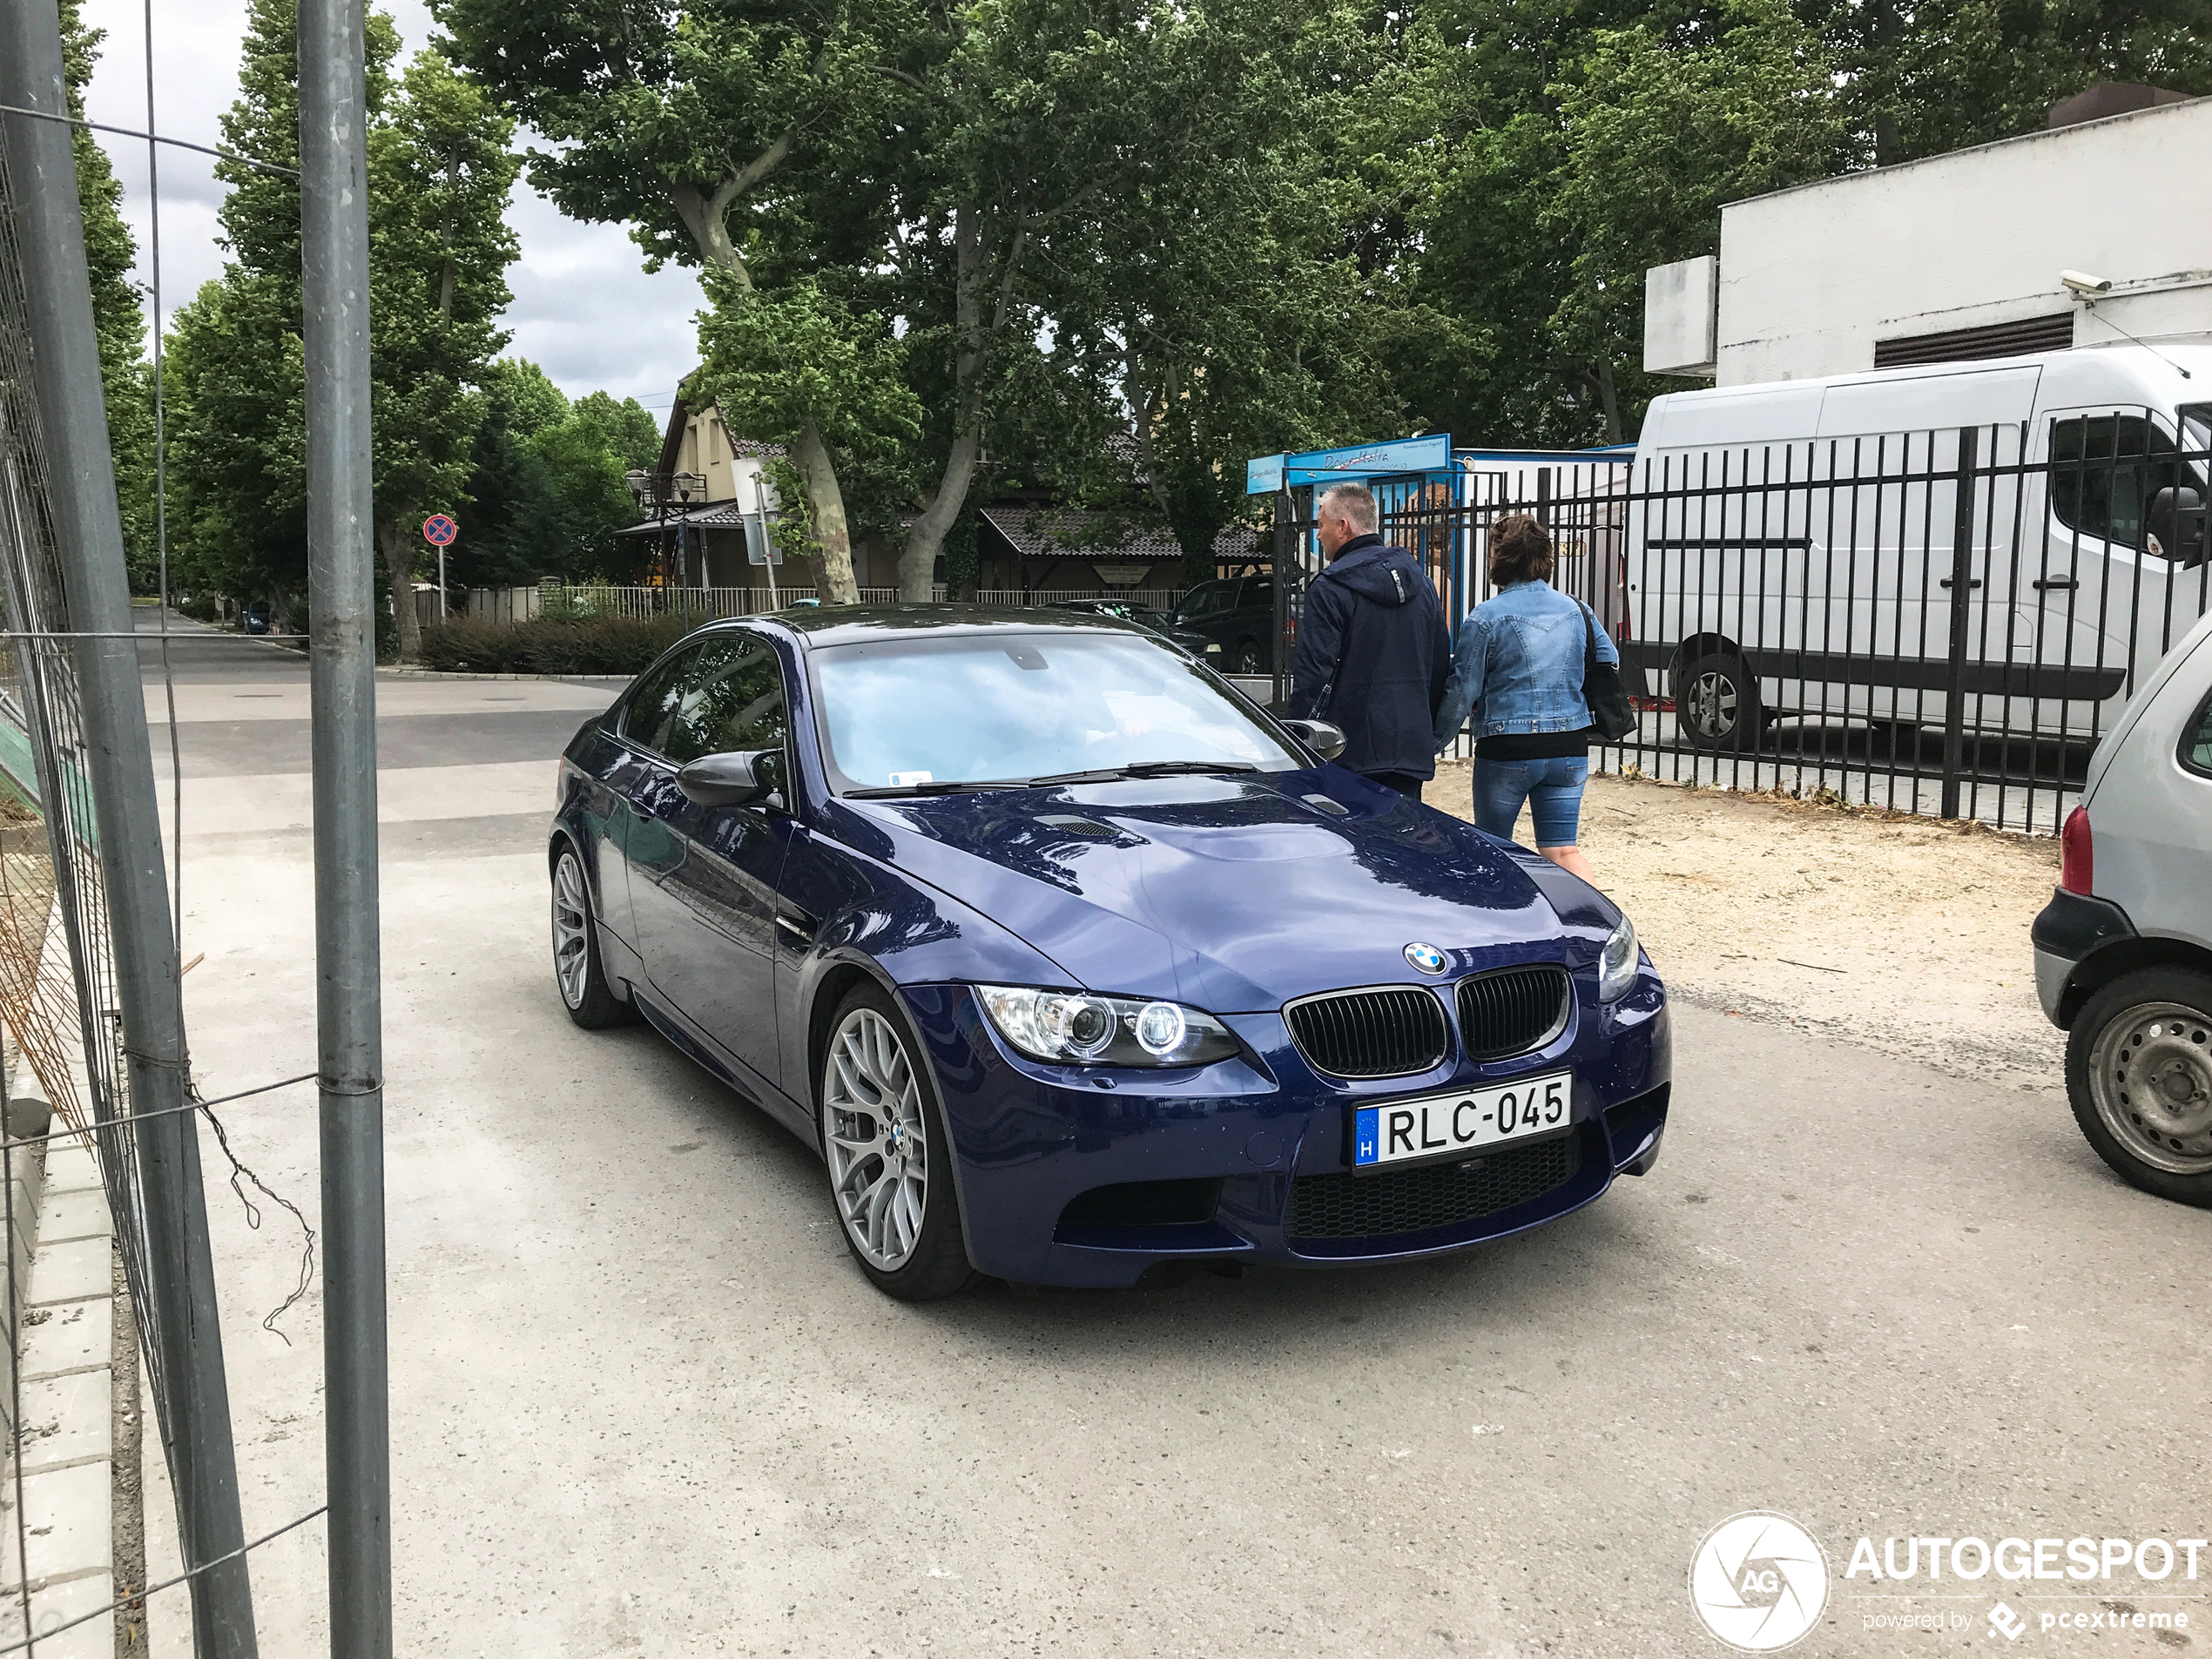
1372,657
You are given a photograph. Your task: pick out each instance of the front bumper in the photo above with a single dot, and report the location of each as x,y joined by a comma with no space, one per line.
1241,1162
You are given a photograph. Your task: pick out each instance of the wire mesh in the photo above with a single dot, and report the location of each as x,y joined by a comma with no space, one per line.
57,1000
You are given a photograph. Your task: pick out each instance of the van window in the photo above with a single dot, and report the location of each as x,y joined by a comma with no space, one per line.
2101,476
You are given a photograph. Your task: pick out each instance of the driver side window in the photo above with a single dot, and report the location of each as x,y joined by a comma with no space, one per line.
732,698
651,714
2104,470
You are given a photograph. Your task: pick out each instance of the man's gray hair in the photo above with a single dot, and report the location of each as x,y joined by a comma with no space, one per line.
1354,503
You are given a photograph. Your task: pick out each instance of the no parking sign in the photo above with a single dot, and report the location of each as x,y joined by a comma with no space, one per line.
439,529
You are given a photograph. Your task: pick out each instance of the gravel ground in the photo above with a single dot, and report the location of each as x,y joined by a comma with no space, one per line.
1908,935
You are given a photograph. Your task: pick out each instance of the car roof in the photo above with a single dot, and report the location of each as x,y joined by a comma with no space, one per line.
849,624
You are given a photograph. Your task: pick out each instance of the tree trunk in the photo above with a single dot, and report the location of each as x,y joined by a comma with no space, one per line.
827,500
1608,398
399,563
918,563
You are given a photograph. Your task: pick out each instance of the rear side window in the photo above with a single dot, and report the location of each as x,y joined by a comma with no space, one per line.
2196,740
2104,470
1207,599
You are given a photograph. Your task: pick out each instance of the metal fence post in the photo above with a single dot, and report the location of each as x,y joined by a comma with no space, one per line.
1282,560
118,765
342,597
1962,590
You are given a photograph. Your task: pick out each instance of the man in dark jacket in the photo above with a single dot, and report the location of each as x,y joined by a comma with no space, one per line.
1372,650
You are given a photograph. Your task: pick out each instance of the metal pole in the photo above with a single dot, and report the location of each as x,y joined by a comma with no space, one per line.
119,764
767,545
1281,561
341,597
441,582
1962,585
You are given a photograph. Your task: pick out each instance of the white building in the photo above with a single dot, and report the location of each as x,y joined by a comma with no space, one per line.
1958,256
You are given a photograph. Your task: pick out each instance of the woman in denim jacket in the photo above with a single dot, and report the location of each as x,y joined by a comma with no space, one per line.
1518,664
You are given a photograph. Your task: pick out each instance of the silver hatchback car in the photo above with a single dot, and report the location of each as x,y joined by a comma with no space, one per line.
2123,952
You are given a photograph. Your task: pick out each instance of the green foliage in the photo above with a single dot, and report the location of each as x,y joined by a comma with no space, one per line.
1660,130
617,645
126,380
777,360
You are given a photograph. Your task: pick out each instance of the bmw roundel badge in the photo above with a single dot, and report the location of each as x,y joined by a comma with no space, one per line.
1427,958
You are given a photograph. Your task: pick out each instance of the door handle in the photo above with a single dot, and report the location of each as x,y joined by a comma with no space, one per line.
797,927
2057,584
1975,583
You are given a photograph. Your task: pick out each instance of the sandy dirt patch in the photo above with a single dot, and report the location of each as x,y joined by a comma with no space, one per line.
1908,935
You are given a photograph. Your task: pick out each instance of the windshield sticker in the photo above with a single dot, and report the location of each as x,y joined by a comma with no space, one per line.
900,779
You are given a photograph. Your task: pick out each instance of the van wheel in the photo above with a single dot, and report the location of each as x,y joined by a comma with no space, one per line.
1716,703
2139,1073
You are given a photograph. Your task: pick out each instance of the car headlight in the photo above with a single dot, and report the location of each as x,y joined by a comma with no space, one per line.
1616,963
1080,1028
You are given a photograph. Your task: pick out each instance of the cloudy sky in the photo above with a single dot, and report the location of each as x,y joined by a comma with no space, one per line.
584,309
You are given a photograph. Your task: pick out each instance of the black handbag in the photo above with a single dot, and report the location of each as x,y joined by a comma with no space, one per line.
1610,716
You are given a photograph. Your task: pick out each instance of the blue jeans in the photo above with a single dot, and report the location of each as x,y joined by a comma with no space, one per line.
1552,788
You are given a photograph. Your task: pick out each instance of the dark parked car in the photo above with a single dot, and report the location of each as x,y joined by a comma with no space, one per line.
1160,622
1071,963
1237,613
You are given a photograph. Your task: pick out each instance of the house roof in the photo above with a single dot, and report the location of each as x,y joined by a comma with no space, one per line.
720,515
1050,532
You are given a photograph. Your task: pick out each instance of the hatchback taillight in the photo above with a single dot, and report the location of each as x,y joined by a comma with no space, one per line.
2077,854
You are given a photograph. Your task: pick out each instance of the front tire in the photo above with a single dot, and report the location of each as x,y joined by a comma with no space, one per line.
890,1161
2139,1073
1248,657
1716,703
579,974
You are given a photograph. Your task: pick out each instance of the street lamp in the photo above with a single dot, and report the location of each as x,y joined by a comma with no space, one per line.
657,490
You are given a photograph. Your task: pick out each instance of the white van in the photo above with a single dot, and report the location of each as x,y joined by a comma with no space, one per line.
1793,548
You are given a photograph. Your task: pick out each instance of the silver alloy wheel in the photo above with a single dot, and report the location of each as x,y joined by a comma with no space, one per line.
571,931
1713,704
873,1129
2150,1076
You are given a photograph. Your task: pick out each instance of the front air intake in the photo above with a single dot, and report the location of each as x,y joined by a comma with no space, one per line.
1511,1011
1369,1033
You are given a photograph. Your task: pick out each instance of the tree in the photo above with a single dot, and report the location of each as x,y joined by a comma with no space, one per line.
439,173
683,123
1662,128
126,382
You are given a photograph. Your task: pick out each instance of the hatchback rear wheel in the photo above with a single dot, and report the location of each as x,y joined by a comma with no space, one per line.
2139,1073
890,1165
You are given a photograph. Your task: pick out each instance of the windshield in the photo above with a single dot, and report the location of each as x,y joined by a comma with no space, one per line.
921,714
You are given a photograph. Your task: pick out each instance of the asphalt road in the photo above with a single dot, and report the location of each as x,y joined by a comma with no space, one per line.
643,1403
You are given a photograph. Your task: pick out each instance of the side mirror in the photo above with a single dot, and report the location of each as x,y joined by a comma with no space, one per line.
735,779
1324,740
2175,523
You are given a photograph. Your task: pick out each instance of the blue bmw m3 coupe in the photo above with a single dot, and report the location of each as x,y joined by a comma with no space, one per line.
1071,961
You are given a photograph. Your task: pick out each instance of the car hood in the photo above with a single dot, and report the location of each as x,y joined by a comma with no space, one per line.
1233,893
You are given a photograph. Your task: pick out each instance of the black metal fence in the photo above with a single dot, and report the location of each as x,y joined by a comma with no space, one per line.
1941,621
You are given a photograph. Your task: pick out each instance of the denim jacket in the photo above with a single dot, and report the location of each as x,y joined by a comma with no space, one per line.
1518,664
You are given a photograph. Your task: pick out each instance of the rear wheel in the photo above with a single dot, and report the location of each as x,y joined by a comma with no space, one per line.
1716,703
2139,1072
890,1163
590,1000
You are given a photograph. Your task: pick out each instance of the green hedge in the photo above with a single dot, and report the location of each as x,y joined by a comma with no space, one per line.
619,645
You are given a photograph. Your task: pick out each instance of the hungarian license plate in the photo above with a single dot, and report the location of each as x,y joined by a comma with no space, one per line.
1436,1126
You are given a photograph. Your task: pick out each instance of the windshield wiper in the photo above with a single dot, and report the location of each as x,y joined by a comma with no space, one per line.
1169,768
1103,775
948,787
